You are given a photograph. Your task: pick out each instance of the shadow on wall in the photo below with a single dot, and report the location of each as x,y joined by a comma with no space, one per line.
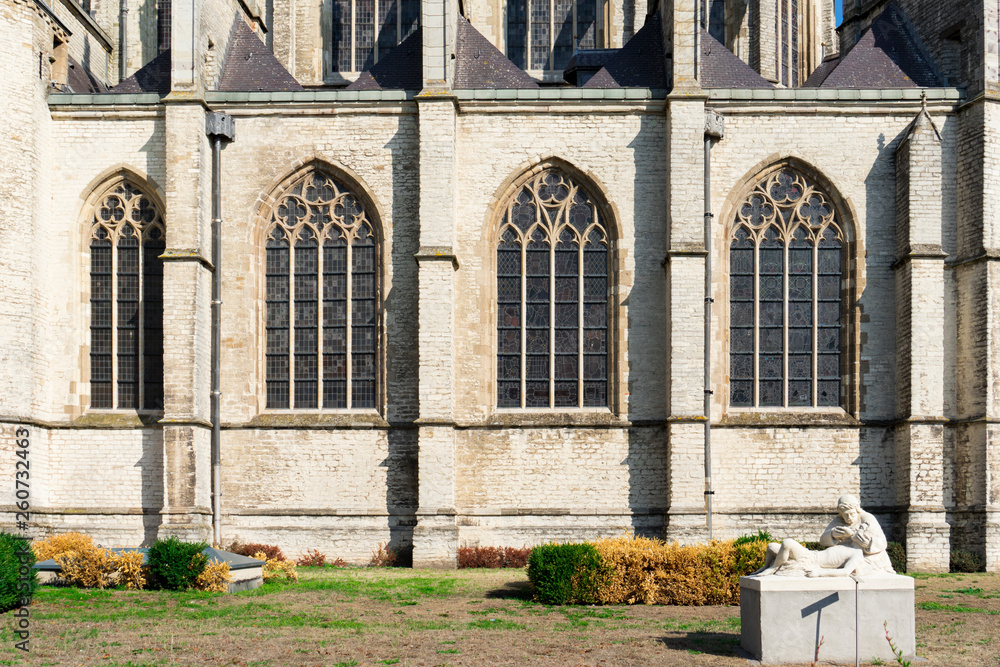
400,318
644,403
150,467
147,30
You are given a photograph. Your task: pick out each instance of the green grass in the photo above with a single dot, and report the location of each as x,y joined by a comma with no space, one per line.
958,609
496,624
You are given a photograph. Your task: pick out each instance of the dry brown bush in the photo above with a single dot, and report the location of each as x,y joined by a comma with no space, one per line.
650,571
60,544
90,567
215,577
383,557
130,571
274,568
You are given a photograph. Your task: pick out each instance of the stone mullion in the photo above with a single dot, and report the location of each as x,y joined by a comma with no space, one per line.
114,320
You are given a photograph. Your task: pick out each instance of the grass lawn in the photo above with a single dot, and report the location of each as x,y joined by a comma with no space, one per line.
348,617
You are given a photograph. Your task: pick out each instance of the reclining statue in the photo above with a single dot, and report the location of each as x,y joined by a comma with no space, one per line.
855,544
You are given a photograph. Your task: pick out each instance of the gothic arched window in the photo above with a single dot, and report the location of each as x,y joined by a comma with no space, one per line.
364,31
786,258
553,282
321,298
126,300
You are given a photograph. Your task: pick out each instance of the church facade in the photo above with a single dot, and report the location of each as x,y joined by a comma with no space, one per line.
467,250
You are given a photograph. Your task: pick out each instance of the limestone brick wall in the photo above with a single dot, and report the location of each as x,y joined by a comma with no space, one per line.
85,45
26,35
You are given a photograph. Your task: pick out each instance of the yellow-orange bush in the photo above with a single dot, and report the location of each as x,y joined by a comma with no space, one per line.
130,570
215,577
274,568
90,567
59,544
650,571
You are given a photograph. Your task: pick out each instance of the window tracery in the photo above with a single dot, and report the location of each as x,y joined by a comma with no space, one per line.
364,31
321,292
127,238
553,279
785,269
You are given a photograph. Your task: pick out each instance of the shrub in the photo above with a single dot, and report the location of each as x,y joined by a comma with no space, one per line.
897,555
566,573
813,546
175,565
311,558
966,561
59,544
761,536
18,579
272,551
340,562
382,557
494,557
654,572
89,567
274,568
215,578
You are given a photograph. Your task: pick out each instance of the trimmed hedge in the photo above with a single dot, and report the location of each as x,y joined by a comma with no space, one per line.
18,579
492,557
631,570
897,556
966,561
175,565
566,573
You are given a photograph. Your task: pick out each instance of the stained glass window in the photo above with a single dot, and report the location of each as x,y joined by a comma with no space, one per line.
126,301
321,298
543,34
364,31
553,283
785,275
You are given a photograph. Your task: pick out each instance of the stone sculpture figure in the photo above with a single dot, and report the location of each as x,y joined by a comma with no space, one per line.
855,544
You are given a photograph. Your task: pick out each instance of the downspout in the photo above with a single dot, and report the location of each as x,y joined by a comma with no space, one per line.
714,130
122,41
219,127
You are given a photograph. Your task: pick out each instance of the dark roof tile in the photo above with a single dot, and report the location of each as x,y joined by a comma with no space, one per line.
888,55
479,64
400,69
80,80
819,75
639,64
250,66
721,68
154,77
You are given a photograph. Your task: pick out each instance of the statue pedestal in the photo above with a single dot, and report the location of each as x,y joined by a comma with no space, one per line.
784,618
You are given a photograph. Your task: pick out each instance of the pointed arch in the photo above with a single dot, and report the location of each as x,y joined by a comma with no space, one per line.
554,240
794,266
320,238
126,235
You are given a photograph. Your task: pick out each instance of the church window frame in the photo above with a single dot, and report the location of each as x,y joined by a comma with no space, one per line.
125,243
793,214
545,280
362,32
329,306
537,41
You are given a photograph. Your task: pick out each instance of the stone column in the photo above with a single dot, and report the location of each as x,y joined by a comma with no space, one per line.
187,289
920,336
976,519
435,537
686,256
763,51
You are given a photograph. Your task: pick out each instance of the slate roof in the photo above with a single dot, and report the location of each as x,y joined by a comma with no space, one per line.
819,75
888,55
588,61
479,64
639,64
400,69
154,77
80,80
250,66
721,68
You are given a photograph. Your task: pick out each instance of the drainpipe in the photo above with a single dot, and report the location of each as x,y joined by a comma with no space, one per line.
122,42
714,130
219,127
